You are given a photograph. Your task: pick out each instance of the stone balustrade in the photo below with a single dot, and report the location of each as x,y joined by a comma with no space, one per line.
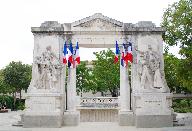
98,103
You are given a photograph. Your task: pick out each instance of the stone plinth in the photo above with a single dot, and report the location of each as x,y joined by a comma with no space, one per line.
71,118
153,121
45,121
43,110
153,110
126,118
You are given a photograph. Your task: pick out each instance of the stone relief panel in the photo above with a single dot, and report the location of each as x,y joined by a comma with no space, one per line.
48,68
149,72
97,25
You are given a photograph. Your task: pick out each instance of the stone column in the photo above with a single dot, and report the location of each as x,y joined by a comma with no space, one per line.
71,116
126,117
71,90
124,89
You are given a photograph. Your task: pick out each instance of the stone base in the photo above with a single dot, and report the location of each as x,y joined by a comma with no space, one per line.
45,121
43,109
153,110
153,121
126,118
71,118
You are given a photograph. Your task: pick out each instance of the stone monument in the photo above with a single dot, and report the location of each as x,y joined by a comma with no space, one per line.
45,96
151,98
144,101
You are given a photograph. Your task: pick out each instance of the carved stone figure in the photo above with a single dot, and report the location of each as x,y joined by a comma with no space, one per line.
150,75
48,66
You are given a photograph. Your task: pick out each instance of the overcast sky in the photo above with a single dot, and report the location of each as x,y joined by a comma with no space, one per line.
18,16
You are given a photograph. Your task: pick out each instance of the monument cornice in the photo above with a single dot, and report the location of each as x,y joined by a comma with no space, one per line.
122,31
96,23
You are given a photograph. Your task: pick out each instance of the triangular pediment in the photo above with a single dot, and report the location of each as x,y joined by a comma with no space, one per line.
97,20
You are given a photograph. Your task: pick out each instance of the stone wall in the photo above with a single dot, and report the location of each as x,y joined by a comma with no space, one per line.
99,115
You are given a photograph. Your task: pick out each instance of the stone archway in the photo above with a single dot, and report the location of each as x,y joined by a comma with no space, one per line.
45,104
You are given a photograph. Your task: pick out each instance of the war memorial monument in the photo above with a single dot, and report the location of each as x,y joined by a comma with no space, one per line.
144,102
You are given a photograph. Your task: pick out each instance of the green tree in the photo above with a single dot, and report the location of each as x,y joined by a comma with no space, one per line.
177,21
105,75
4,87
3,90
82,77
171,73
17,76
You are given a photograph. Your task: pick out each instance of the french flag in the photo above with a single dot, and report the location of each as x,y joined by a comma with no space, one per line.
129,53
70,58
77,59
64,53
123,58
116,53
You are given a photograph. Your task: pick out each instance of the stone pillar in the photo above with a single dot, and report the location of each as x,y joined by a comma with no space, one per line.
45,97
125,114
71,89
152,100
124,89
71,116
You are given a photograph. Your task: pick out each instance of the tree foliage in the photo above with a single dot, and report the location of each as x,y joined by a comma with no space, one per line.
105,75
177,21
13,78
17,75
82,77
4,87
172,73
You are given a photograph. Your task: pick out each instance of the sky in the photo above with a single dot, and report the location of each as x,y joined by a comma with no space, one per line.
18,16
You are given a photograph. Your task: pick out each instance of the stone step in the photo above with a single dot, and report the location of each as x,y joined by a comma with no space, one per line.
19,123
178,124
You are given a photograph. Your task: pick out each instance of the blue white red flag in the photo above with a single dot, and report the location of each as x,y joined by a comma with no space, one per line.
116,53
70,58
77,59
64,53
129,53
123,59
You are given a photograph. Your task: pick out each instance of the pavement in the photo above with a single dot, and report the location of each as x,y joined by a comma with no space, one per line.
7,119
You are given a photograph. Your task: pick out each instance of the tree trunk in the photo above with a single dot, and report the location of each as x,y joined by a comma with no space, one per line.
20,94
114,92
14,100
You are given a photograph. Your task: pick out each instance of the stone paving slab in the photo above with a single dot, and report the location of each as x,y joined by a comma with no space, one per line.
176,129
6,121
97,127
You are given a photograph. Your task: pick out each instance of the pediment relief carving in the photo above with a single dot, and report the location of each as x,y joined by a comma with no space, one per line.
98,21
